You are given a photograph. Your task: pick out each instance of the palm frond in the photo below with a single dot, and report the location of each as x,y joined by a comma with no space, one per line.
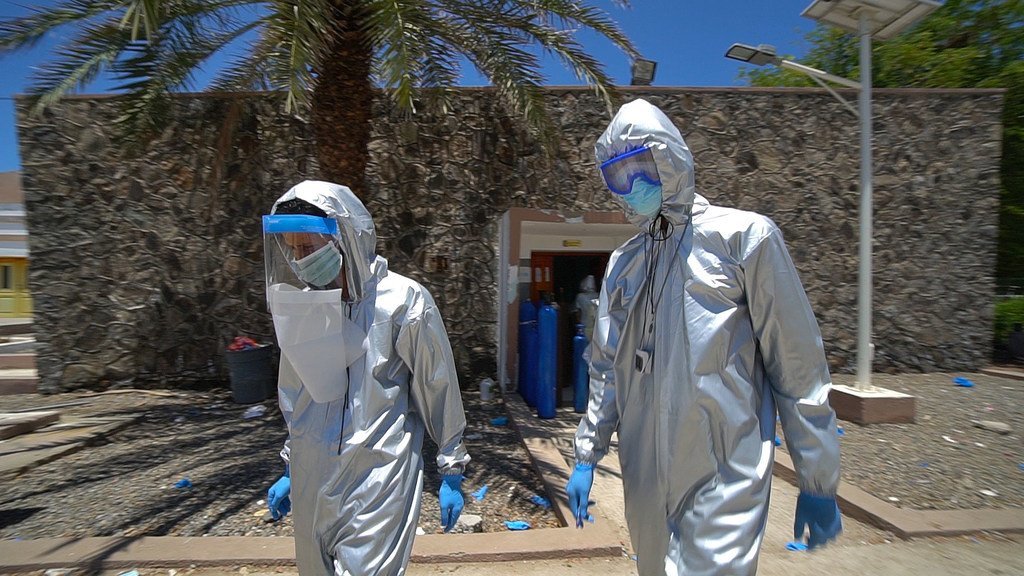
27,31
298,32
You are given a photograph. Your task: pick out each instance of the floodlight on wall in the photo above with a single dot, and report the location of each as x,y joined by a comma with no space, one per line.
642,72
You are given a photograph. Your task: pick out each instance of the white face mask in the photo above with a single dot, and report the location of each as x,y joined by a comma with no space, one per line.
319,268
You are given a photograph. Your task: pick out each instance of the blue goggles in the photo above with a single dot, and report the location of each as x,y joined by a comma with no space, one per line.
621,171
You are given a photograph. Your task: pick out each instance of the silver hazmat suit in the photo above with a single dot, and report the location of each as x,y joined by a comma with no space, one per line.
356,466
733,340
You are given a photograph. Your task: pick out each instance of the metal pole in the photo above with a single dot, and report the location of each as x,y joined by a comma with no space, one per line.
865,350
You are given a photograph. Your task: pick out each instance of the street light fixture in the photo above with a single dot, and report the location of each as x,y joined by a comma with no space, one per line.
884,19
642,72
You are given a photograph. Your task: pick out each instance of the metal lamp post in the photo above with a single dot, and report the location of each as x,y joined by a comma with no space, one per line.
882,19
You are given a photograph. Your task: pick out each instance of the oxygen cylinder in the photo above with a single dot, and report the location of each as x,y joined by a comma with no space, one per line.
580,378
547,329
528,352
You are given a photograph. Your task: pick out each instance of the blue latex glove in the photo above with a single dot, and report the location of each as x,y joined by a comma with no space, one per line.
578,489
818,514
277,498
450,498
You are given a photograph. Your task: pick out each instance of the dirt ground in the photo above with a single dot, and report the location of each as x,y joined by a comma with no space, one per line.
126,485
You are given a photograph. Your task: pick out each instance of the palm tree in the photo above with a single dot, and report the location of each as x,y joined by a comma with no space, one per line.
327,56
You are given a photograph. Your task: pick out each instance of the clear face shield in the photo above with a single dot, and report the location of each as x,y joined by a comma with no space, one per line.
302,251
304,278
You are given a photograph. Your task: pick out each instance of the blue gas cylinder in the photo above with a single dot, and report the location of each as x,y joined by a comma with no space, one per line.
580,377
528,352
547,329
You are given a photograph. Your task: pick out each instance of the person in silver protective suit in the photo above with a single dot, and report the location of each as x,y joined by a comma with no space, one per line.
704,333
366,369
585,305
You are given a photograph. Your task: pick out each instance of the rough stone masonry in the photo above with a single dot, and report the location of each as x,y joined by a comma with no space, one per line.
145,265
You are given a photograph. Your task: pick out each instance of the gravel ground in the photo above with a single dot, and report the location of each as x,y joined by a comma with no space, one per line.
125,485
941,462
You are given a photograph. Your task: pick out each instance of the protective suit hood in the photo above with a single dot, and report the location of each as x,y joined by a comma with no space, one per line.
640,124
358,234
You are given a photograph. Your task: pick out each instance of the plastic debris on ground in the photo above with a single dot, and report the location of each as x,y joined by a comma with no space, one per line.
796,546
840,431
948,439
893,499
988,492
254,411
963,382
778,441
923,464
479,494
183,483
540,501
499,421
517,525
129,573
242,343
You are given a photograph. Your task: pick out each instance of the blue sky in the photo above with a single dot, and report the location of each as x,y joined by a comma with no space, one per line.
687,38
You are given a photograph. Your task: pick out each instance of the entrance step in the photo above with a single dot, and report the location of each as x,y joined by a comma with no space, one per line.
18,381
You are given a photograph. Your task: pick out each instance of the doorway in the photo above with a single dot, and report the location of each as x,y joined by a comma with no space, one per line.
558,275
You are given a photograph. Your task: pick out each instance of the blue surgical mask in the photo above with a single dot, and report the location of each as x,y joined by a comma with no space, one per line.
644,198
319,268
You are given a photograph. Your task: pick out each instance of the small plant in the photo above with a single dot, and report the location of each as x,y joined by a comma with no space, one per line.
1009,311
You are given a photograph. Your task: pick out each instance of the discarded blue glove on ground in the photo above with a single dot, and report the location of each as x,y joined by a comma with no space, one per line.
451,500
840,431
479,494
778,441
499,421
517,525
183,483
540,501
796,546
277,498
578,489
963,382
820,516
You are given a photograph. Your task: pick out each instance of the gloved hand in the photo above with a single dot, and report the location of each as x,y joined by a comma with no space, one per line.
578,489
820,515
277,498
450,497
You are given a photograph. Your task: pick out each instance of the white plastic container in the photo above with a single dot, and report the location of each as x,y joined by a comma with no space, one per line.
486,386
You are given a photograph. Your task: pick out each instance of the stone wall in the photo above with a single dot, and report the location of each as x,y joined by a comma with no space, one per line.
145,266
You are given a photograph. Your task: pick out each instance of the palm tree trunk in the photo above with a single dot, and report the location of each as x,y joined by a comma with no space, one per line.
342,106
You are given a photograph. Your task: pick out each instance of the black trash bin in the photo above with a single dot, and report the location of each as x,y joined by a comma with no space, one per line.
253,378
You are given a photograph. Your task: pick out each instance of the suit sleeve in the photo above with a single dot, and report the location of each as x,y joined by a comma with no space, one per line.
434,385
794,358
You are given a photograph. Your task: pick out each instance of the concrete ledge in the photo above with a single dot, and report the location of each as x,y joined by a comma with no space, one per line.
9,386
1004,372
21,361
16,326
151,551
905,523
872,407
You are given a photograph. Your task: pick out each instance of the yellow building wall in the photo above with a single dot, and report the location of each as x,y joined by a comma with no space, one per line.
15,298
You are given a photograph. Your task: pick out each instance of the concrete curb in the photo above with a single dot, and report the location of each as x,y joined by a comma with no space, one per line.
1011,373
908,524
597,540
